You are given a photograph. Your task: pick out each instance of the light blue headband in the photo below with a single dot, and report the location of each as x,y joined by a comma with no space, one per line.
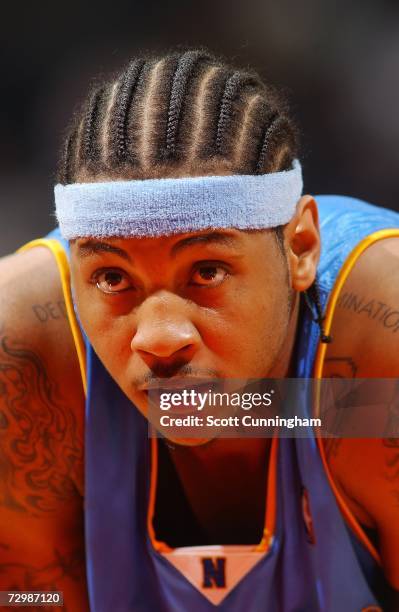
157,207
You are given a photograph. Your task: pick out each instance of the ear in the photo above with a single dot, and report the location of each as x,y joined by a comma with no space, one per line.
302,238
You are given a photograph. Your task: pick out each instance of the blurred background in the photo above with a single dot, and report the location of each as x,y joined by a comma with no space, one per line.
338,61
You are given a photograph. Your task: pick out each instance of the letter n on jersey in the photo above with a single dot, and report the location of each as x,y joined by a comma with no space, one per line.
214,572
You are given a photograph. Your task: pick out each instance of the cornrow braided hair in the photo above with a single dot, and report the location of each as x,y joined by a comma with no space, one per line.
119,125
88,149
64,170
232,87
186,113
268,133
184,70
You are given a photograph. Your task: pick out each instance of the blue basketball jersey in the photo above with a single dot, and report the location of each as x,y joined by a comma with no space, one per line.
291,570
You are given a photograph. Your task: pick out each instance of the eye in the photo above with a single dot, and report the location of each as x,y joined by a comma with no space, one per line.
208,275
112,281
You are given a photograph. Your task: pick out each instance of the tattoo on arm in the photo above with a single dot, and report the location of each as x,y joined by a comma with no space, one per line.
392,426
341,367
50,311
391,444
381,313
65,565
52,576
345,367
40,447
338,367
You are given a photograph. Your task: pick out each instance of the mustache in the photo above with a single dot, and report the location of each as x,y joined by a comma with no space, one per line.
180,370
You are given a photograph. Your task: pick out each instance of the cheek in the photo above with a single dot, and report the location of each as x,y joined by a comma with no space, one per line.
261,322
109,335
111,340
259,325
250,324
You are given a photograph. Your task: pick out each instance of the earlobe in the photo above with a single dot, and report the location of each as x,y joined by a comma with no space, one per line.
303,240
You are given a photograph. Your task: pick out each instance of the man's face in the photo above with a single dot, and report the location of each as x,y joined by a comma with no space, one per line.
202,304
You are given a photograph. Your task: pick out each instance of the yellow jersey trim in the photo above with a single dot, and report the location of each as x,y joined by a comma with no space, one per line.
339,283
318,371
63,269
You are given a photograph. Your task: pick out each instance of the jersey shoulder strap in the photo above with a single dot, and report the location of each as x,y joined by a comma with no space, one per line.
57,248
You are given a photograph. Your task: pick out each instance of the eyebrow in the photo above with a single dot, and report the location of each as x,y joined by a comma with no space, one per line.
210,238
92,247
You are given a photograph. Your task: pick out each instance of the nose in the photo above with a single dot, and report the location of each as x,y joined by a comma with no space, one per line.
165,329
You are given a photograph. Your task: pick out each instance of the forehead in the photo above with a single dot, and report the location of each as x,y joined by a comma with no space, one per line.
227,239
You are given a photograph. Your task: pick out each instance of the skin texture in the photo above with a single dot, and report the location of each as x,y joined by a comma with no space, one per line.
371,483
165,327
41,435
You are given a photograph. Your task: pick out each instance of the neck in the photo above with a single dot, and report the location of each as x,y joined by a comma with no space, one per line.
221,478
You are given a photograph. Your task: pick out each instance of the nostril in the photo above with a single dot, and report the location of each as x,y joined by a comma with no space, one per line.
165,352
161,348
163,343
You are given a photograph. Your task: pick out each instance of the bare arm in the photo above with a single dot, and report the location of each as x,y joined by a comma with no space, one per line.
41,434
366,333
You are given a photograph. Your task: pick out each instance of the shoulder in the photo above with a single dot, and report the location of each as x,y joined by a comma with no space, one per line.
32,311
365,327
39,373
